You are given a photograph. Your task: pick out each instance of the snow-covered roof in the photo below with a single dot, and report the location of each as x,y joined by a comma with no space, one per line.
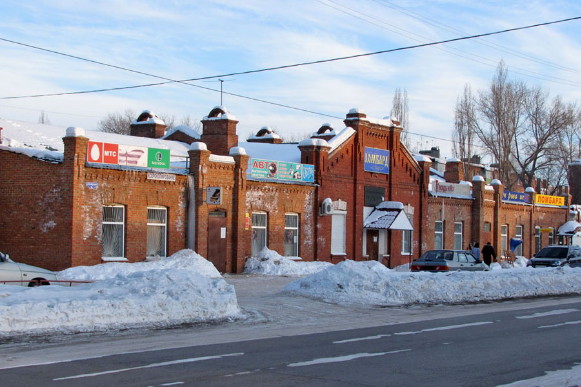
187,130
147,117
569,228
46,141
340,138
388,215
265,132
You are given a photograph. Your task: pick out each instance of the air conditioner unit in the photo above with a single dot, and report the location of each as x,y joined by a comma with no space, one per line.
326,207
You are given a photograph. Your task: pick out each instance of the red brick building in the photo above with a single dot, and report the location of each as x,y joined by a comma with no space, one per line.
80,198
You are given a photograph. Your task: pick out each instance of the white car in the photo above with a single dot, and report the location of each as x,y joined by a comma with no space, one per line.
12,273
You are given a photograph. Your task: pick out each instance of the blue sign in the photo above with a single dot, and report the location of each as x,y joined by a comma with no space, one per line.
376,160
518,197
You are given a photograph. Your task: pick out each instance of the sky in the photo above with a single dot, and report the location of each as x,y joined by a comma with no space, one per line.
180,40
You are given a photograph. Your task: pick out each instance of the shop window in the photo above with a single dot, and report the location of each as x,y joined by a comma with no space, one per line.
291,235
156,232
518,235
113,239
458,237
439,235
503,239
338,222
259,232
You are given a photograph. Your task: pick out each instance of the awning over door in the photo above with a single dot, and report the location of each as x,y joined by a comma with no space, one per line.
388,215
569,228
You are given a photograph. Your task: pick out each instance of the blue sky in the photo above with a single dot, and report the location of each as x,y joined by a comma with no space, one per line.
190,39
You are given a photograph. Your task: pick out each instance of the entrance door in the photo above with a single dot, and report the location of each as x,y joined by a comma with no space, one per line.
217,240
373,244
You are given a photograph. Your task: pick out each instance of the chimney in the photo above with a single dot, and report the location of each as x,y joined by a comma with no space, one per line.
266,135
325,132
454,171
219,131
148,125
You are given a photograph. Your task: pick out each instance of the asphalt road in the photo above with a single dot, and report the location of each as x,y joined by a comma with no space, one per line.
292,341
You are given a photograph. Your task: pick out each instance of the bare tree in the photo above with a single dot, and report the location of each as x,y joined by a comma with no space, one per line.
119,123
464,127
43,118
400,110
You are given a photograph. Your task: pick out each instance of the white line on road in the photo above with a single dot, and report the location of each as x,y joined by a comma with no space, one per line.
550,313
338,359
562,324
361,339
163,364
445,328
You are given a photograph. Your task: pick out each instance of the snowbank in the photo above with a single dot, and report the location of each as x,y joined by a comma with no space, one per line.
170,291
269,262
372,283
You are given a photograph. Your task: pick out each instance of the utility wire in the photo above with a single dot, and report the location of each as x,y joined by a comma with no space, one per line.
278,67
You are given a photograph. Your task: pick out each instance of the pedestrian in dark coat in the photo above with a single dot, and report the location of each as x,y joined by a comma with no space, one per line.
489,254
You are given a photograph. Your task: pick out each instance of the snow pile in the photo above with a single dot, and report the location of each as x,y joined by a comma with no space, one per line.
166,292
269,262
373,284
185,259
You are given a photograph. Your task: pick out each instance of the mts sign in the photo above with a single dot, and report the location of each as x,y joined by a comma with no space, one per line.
102,152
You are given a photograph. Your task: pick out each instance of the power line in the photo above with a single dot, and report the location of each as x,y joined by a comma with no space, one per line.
283,66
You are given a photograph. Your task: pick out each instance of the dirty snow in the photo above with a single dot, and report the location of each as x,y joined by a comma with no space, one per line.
269,262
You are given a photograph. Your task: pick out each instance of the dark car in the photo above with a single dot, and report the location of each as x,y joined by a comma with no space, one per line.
572,262
555,255
447,260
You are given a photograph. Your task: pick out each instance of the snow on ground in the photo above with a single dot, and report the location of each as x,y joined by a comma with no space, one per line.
372,283
179,289
269,262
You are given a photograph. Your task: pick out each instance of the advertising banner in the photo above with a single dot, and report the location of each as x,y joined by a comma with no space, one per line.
517,197
451,188
550,200
376,160
281,170
134,156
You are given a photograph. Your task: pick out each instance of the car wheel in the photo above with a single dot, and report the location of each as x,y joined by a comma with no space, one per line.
38,282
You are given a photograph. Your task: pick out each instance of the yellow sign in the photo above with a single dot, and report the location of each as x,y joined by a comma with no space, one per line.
550,200
546,229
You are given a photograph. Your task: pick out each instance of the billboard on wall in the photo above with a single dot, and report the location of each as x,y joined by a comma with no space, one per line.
440,187
517,197
376,160
281,170
135,156
550,200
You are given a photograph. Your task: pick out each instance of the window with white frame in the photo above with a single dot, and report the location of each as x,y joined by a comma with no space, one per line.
518,235
458,238
503,238
156,231
439,235
259,232
291,235
406,241
338,230
113,239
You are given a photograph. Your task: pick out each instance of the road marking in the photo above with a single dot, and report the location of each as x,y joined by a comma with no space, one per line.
445,328
562,324
549,313
338,359
162,364
360,339
171,384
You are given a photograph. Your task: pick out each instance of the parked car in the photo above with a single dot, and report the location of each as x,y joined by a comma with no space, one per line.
12,273
572,262
555,255
447,260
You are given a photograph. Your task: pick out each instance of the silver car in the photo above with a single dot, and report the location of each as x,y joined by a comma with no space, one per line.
447,260
12,273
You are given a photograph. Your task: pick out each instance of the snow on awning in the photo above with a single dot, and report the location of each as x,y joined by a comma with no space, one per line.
388,215
569,228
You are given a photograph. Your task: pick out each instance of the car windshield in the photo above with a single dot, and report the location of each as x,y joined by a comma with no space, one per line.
553,252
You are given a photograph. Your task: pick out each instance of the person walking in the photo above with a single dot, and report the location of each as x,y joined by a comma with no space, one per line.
489,254
476,250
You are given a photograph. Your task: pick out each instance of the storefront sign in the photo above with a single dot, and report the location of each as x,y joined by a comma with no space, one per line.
550,200
281,170
135,156
214,195
376,160
518,197
161,176
451,188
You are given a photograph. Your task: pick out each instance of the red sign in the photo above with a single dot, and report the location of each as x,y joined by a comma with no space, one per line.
95,152
110,153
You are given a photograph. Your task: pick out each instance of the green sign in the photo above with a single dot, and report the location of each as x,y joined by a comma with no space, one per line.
158,158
